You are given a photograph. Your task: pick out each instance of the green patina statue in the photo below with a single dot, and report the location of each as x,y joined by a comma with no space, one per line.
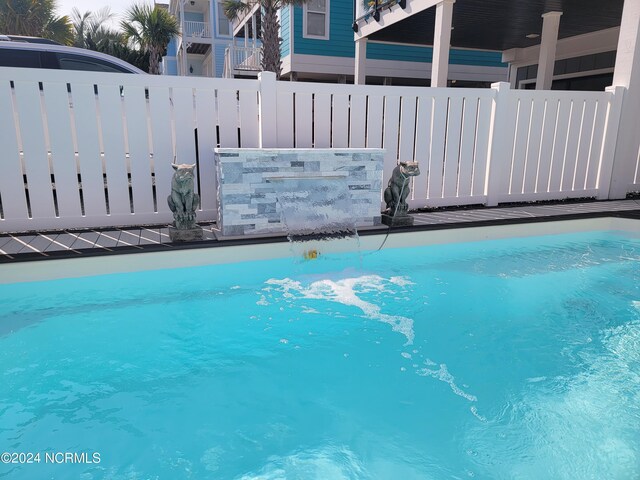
183,202
395,196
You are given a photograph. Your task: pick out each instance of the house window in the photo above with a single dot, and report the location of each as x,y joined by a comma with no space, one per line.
316,19
224,26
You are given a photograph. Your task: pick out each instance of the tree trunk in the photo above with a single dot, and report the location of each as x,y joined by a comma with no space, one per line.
154,61
271,41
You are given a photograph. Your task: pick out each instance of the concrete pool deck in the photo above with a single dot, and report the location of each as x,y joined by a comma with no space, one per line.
17,247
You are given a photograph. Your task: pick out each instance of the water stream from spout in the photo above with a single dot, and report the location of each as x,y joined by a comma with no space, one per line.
318,214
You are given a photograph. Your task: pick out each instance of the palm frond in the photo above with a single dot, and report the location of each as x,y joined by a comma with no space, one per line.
151,29
233,9
59,29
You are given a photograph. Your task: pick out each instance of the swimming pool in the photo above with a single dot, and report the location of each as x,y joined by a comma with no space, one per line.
501,359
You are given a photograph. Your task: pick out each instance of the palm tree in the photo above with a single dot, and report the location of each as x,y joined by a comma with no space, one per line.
117,47
35,18
271,61
151,29
91,26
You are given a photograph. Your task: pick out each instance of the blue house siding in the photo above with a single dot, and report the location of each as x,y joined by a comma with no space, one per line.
341,43
219,51
410,53
193,17
172,48
170,66
285,31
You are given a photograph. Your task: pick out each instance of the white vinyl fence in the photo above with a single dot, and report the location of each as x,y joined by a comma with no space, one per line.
84,149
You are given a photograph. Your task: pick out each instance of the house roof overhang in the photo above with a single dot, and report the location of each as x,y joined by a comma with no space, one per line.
497,25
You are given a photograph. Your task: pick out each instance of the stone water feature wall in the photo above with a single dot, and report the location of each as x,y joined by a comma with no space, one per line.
277,190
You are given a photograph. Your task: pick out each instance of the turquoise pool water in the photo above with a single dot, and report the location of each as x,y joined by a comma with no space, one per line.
510,359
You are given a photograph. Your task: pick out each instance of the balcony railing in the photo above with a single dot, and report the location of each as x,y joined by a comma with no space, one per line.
245,59
196,29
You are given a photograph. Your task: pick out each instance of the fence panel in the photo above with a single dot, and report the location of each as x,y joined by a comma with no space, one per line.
115,160
36,161
285,119
467,143
584,146
62,150
595,151
249,133
410,124
375,114
163,149
423,142
12,191
90,149
98,148
228,121
481,152
519,158
407,128
636,177
436,157
390,139
303,120
135,109
532,160
322,120
452,149
358,121
547,145
207,119
573,141
90,156
558,144
340,121
559,147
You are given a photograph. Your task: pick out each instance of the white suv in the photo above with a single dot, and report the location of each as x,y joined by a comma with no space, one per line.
39,53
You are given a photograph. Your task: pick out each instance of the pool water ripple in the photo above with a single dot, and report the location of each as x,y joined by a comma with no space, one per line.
509,359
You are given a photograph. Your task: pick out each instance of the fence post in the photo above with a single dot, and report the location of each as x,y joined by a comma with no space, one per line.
499,144
607,182
268,110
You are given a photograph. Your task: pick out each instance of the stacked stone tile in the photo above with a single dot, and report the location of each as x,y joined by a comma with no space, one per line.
253,182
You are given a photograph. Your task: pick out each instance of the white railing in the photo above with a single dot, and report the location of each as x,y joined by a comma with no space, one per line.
196,29
239,59
86,149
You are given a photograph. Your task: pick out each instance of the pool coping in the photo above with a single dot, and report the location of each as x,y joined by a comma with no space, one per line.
424,221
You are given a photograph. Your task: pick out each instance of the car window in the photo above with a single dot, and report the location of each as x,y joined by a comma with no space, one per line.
69,61
48,60
10,57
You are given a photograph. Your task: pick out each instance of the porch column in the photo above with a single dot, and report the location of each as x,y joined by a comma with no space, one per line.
361,61
212,29
183,43
253,31
627,74
441,43
548,44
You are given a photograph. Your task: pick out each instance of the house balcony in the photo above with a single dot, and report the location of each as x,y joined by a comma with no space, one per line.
196,30
242,61
196,36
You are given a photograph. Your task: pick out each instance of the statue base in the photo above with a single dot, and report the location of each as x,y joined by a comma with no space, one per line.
189,235
397,221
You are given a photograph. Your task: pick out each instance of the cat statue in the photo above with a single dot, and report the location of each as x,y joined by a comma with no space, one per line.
183,202
396,193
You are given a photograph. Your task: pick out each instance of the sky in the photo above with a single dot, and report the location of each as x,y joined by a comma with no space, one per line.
117,6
